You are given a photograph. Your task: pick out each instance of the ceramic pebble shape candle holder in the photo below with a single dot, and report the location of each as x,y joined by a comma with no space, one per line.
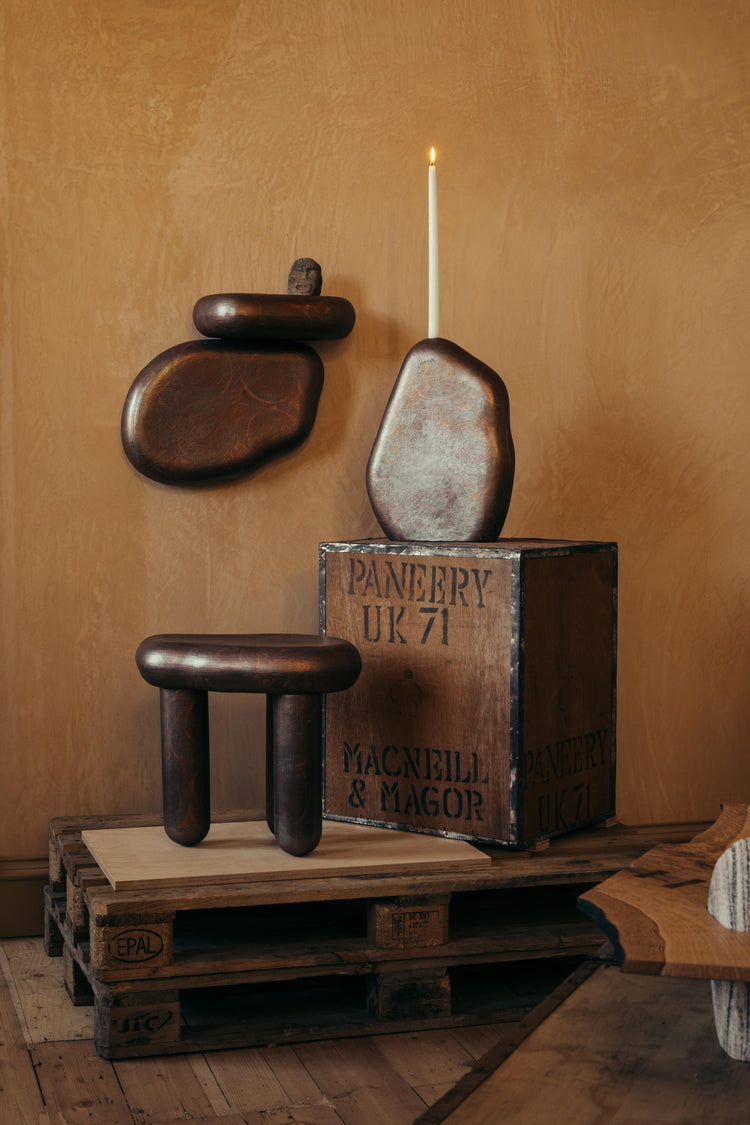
442,466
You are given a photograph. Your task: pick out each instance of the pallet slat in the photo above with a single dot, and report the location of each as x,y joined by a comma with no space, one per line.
191,968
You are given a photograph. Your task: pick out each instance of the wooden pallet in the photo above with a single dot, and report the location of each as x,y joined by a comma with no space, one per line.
190,968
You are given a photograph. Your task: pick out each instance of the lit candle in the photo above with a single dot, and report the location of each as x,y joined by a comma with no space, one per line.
434,289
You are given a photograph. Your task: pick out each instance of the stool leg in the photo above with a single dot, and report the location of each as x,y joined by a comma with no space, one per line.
186,783
269,761
297,772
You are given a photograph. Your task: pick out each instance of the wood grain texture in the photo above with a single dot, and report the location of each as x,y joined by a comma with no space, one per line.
135,858
209,1088
656,913
251,1080
301,1115
163,1088
283,966
438,1058
20,1097
72,1080
294,1077
486,704
228,1119
45,1010
619,1049
359,1087
569,635
589,856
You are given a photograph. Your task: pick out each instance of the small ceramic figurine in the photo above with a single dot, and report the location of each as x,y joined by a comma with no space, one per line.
305,278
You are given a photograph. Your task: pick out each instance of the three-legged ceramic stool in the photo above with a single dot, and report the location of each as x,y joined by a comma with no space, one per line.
294,672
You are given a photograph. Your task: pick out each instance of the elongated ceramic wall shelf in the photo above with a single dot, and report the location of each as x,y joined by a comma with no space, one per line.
273,316
220,407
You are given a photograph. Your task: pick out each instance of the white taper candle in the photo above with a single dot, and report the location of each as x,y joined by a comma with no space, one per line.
434,285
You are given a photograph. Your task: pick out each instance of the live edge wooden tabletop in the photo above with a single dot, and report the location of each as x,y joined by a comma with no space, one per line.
616,1050
654,912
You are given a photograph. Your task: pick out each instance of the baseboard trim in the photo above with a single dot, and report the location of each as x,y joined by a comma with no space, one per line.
22,884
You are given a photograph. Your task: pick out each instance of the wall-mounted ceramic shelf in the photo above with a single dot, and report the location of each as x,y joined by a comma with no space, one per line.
215,408
273,316
220,407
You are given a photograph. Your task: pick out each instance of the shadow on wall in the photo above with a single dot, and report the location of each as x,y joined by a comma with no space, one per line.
650,481
237,741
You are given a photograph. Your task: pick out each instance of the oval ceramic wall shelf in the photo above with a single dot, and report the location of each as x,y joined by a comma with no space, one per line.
212,408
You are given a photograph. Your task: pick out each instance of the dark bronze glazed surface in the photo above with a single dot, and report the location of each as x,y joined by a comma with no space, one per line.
294,671
442,466
273,316
208,409
267,663
185,775
297,776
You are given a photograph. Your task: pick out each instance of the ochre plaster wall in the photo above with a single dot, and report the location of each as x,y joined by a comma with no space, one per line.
594,243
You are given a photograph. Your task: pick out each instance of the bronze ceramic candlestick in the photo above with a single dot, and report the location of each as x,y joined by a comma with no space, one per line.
442,465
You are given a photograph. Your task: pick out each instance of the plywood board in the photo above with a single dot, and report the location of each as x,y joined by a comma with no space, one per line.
247,852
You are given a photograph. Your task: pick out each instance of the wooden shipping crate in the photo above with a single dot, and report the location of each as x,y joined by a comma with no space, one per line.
486,704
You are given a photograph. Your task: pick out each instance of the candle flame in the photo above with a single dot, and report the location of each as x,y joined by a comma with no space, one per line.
432,156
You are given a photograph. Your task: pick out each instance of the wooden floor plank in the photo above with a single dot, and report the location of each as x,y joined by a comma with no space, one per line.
48,1013
430,1094
233,1119
300,1086
78,1086
364,1105
21,1100
362,1090
161,1088
247,1080
425,1059
387,1079
304,1115
478,1040
211,1088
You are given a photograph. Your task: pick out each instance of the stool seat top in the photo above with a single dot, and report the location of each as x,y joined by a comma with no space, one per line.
269,663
